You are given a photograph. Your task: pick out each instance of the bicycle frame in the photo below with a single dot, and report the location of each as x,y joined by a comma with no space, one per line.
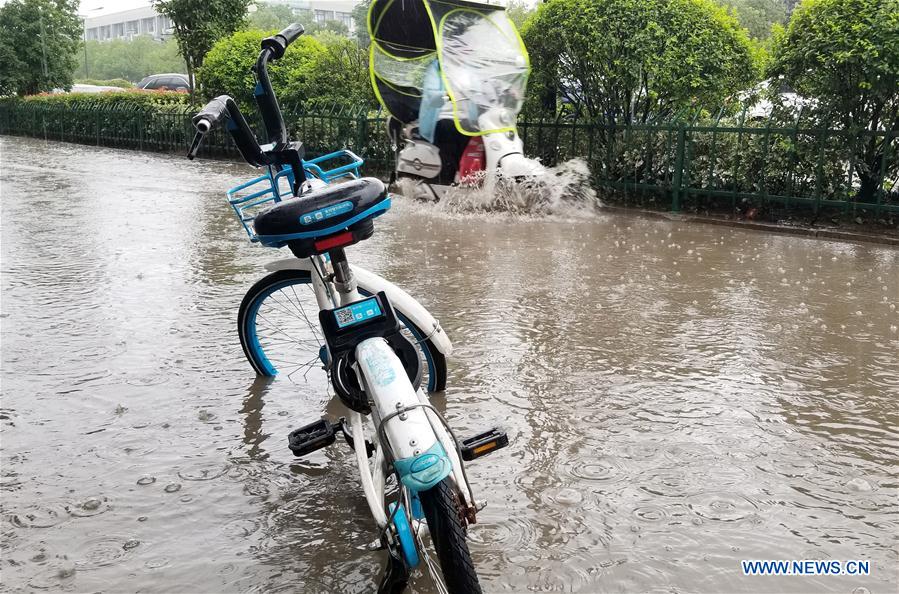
401,414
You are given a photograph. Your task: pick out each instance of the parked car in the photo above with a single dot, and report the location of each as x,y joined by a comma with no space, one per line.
165,82
761,99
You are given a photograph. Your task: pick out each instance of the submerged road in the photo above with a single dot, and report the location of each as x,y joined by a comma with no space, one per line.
678,397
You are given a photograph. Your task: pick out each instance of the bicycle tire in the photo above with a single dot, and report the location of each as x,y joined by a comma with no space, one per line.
447,528
262,360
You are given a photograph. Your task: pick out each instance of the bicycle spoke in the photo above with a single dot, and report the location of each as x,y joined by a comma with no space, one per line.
309,364
314,327
287,309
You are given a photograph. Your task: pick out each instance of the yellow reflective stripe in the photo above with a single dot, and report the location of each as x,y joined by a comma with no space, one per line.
484,448
371,74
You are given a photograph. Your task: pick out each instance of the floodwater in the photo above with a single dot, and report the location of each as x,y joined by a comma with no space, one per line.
678,397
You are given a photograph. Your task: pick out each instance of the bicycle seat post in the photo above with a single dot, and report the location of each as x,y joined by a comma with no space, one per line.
344,280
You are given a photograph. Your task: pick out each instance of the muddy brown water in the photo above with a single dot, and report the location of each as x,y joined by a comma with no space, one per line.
679,397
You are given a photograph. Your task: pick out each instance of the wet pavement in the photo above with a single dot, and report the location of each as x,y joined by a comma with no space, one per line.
678,397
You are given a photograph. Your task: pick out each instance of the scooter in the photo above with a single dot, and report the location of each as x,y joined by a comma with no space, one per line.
452,75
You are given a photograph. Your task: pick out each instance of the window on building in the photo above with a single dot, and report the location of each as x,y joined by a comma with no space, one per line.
322,16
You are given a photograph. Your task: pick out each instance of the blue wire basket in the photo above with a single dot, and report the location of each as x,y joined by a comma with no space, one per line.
254,196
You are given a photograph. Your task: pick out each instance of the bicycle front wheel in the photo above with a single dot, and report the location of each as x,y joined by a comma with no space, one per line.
443,513
280,333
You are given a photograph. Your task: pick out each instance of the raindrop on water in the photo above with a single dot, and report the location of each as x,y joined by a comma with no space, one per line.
91,504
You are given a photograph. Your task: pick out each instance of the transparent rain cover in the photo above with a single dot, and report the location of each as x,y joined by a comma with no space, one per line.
485,66
400,72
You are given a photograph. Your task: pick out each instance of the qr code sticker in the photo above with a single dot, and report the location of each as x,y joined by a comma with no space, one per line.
344,317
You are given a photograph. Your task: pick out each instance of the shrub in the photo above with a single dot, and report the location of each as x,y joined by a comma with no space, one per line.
625,61
336,77
226,68
844,54
125,99
318,72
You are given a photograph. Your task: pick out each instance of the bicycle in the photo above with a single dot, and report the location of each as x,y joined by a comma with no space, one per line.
379,347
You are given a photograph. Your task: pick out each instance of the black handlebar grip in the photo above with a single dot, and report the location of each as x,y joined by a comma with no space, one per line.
278,43
212,113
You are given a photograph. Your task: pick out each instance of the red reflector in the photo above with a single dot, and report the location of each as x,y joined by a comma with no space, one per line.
342,239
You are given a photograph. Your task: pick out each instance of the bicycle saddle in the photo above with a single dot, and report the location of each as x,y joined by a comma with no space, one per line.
333,216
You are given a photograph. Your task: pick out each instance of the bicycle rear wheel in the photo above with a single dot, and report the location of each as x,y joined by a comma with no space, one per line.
280,333
443,513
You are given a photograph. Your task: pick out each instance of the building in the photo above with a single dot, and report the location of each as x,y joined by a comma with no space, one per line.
323,10
146,21
128,24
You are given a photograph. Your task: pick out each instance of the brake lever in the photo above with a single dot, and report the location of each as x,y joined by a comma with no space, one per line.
195,145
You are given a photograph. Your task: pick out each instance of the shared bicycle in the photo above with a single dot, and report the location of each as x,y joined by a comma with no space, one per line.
381,351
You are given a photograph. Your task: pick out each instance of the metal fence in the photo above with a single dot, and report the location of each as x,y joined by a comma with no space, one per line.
168,128
718,165
729,164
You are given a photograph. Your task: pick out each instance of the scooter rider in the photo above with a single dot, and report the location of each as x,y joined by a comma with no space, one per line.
436,122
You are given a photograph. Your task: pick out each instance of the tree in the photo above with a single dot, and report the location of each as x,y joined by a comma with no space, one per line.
200,23
360,20
519,12
758,16
336,27
844,54
38,43
625,61
129,59
268,17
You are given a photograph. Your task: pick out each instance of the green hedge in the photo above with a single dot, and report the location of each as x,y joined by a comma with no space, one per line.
124,100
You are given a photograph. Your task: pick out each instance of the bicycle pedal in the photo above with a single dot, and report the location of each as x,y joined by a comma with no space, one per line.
311,437
483,444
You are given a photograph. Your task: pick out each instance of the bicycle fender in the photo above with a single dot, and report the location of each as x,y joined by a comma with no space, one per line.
418,455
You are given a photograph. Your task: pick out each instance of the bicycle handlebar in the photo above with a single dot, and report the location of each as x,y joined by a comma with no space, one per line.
216,112
224,108
277,44
211,114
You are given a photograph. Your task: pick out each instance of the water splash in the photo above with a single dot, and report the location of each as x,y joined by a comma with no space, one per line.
561,190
